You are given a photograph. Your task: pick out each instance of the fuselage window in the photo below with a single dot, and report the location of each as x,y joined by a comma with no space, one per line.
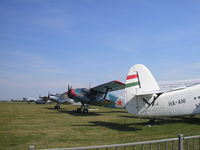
195,98
198,97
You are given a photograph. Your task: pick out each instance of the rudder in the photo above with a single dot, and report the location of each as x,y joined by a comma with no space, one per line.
139,82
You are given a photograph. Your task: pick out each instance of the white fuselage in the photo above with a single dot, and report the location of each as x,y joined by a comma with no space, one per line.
174,103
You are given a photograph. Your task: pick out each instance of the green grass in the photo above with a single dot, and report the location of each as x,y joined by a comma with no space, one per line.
23,124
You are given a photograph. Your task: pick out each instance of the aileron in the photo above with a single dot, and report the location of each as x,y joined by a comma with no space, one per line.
109,87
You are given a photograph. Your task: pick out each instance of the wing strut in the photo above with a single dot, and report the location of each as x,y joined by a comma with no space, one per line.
107,90
146,101
149,104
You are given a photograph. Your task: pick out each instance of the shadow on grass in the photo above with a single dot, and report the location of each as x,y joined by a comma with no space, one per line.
90,113
166,120
113,126
114,111
133,117
50,108
172,120
73,112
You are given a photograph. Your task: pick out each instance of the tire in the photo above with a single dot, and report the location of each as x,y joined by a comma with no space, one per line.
85,111
78,110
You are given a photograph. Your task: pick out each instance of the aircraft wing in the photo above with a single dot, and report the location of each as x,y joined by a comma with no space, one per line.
64,95
178,83
108,87
168,86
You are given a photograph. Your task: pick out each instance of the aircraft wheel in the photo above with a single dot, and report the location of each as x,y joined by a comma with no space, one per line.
78,110
151,122
85,111
57,107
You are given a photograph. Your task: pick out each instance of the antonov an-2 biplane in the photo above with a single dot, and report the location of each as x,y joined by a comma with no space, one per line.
98,96
144,98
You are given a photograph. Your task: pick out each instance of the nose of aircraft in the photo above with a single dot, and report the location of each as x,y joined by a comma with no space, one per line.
71,92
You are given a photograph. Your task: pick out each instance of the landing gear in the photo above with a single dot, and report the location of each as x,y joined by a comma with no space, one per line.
83,109
57,106
78,110
151,122
192,116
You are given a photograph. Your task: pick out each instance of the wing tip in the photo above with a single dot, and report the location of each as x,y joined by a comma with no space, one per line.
119,82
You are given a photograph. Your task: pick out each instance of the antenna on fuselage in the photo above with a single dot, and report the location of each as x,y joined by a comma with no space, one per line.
90,85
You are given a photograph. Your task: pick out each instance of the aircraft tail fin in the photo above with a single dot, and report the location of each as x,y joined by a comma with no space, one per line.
140,81
140,88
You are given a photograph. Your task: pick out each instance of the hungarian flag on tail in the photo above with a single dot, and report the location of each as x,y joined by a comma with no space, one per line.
132,81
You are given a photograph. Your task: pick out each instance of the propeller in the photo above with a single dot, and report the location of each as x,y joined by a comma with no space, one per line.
49,95
69,90
46,98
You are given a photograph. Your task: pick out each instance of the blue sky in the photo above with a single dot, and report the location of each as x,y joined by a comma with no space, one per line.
47,44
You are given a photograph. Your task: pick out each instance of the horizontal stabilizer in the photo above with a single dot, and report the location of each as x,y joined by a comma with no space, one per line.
143,93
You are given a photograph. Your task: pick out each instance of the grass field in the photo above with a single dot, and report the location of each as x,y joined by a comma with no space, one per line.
23,124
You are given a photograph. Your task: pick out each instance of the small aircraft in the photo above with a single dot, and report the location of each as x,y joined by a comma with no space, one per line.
98,96
40,100
144,98
61,99
29,100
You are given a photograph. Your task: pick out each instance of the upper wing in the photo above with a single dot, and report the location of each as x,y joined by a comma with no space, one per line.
175,85
109,87
64,95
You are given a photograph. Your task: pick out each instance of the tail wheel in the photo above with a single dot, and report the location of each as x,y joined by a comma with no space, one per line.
151,122
85,111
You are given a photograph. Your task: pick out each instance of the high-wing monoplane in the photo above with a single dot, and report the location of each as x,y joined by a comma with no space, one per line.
144,98
98,95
